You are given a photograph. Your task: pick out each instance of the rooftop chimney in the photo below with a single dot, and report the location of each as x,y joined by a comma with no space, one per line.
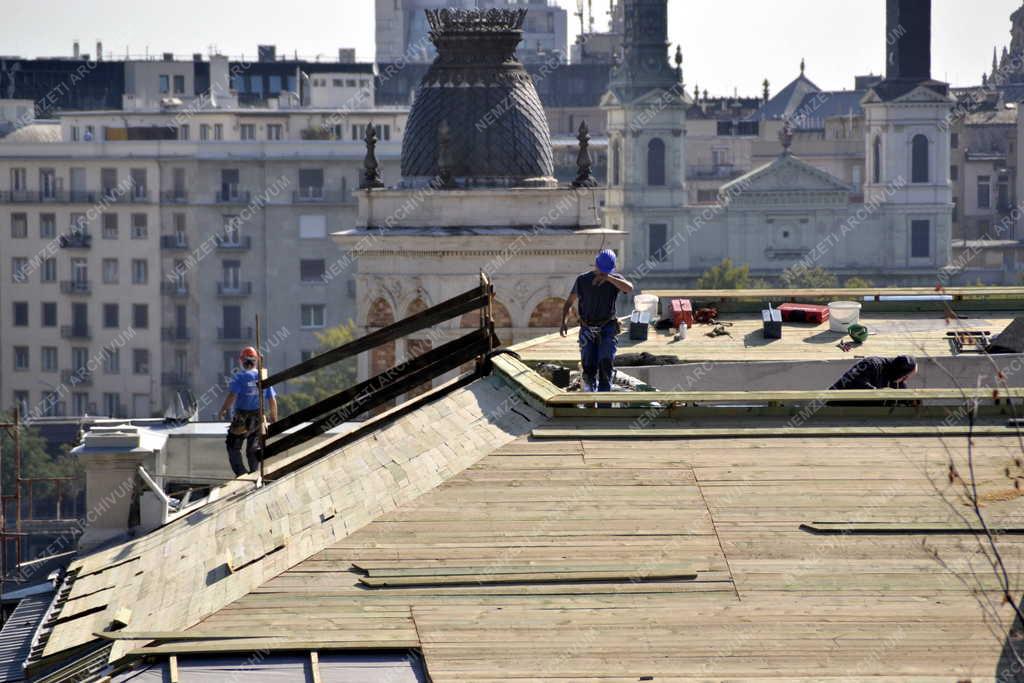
267,53
75,51
99,51
908,40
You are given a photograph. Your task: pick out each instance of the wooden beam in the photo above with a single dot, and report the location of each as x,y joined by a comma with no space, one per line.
314,666
474,299
875,293
784,397
898,529
275,644
350,394
767,432
173,635
388,385
638,575
172,663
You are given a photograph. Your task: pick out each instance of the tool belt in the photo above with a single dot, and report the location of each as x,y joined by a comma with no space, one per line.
594,330
243,422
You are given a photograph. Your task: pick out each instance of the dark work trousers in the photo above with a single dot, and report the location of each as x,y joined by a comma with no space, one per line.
597,353
251,420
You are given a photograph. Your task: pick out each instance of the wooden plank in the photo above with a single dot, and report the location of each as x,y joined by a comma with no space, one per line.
584,432
853,293
785,397
174,635
475,339
468,301
635,576
314,666
172,663
902,529
387,386
277,644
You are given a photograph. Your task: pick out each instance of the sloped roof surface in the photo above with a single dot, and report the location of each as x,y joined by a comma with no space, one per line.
16,635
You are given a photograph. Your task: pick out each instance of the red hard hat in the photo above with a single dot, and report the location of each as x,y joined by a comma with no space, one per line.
248,353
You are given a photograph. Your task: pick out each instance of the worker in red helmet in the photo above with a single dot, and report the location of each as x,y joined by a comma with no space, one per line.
244,396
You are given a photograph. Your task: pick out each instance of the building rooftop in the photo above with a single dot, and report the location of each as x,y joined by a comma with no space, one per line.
502,529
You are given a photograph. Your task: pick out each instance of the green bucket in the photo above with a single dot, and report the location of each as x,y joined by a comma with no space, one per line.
858,333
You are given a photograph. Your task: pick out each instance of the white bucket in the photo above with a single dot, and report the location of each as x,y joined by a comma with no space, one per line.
646,303
842,314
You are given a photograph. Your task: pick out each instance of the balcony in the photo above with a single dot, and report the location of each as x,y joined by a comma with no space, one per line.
76,240
175,334
232,289
234,334
714,172
137,195
81,197
174,242
318,195
81,377
174,288
174,196
20,196
233,243
232,196
76,287
75,332
176,379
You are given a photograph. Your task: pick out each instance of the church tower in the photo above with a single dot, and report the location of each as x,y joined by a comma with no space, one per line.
646,107
908,143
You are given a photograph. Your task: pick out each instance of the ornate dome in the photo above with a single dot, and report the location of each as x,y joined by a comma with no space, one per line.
476,120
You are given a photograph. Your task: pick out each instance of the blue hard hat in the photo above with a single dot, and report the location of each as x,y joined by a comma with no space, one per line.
606,261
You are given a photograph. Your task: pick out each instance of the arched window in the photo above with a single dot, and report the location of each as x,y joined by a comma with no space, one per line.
876,160
919,159
656,162
616,162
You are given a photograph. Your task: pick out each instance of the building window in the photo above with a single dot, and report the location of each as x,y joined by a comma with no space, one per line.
656,162
164,84
204,132
183,132
140,316
79,403
110,226
920,239
179,85
919,161
21,359
218,131
19,180
19,225
140,226
49,311
112,361
80,270
20,313
657,237
876,160
1003,193
984,192
247,131
954,172
274,131
140,271
48,358
19,269
312,270
954,140
21,401
111,316
47,226
616,162
112,405
110,271
140,361
312,316
48,270
311,183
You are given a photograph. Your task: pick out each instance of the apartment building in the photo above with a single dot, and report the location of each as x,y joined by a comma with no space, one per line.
164,234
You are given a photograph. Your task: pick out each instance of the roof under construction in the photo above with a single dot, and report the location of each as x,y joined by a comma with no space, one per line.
498,528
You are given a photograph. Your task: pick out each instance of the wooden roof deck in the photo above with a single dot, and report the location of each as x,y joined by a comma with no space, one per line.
769,599
893,334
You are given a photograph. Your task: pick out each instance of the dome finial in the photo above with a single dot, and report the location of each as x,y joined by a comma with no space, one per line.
371,167
803,66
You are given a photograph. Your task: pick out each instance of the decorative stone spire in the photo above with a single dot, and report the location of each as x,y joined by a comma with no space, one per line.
584,178
679,63
909,40
644,66
766,91
371,168
803,66
786,137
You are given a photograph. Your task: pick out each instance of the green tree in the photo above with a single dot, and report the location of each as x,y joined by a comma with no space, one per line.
36,463
318,385
859,283
808,278
725,276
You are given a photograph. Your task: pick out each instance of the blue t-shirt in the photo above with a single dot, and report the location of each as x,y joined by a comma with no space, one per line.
247,394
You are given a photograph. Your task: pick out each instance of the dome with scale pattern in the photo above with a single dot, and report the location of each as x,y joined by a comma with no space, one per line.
476,120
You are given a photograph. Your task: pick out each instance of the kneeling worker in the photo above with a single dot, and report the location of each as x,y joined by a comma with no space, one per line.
595,293
878,373
245,425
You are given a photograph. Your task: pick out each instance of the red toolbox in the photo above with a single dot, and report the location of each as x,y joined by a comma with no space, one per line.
682,312
804,313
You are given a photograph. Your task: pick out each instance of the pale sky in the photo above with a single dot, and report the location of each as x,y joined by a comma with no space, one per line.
727,44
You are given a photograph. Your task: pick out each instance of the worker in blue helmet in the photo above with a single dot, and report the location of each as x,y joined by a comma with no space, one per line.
595,294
